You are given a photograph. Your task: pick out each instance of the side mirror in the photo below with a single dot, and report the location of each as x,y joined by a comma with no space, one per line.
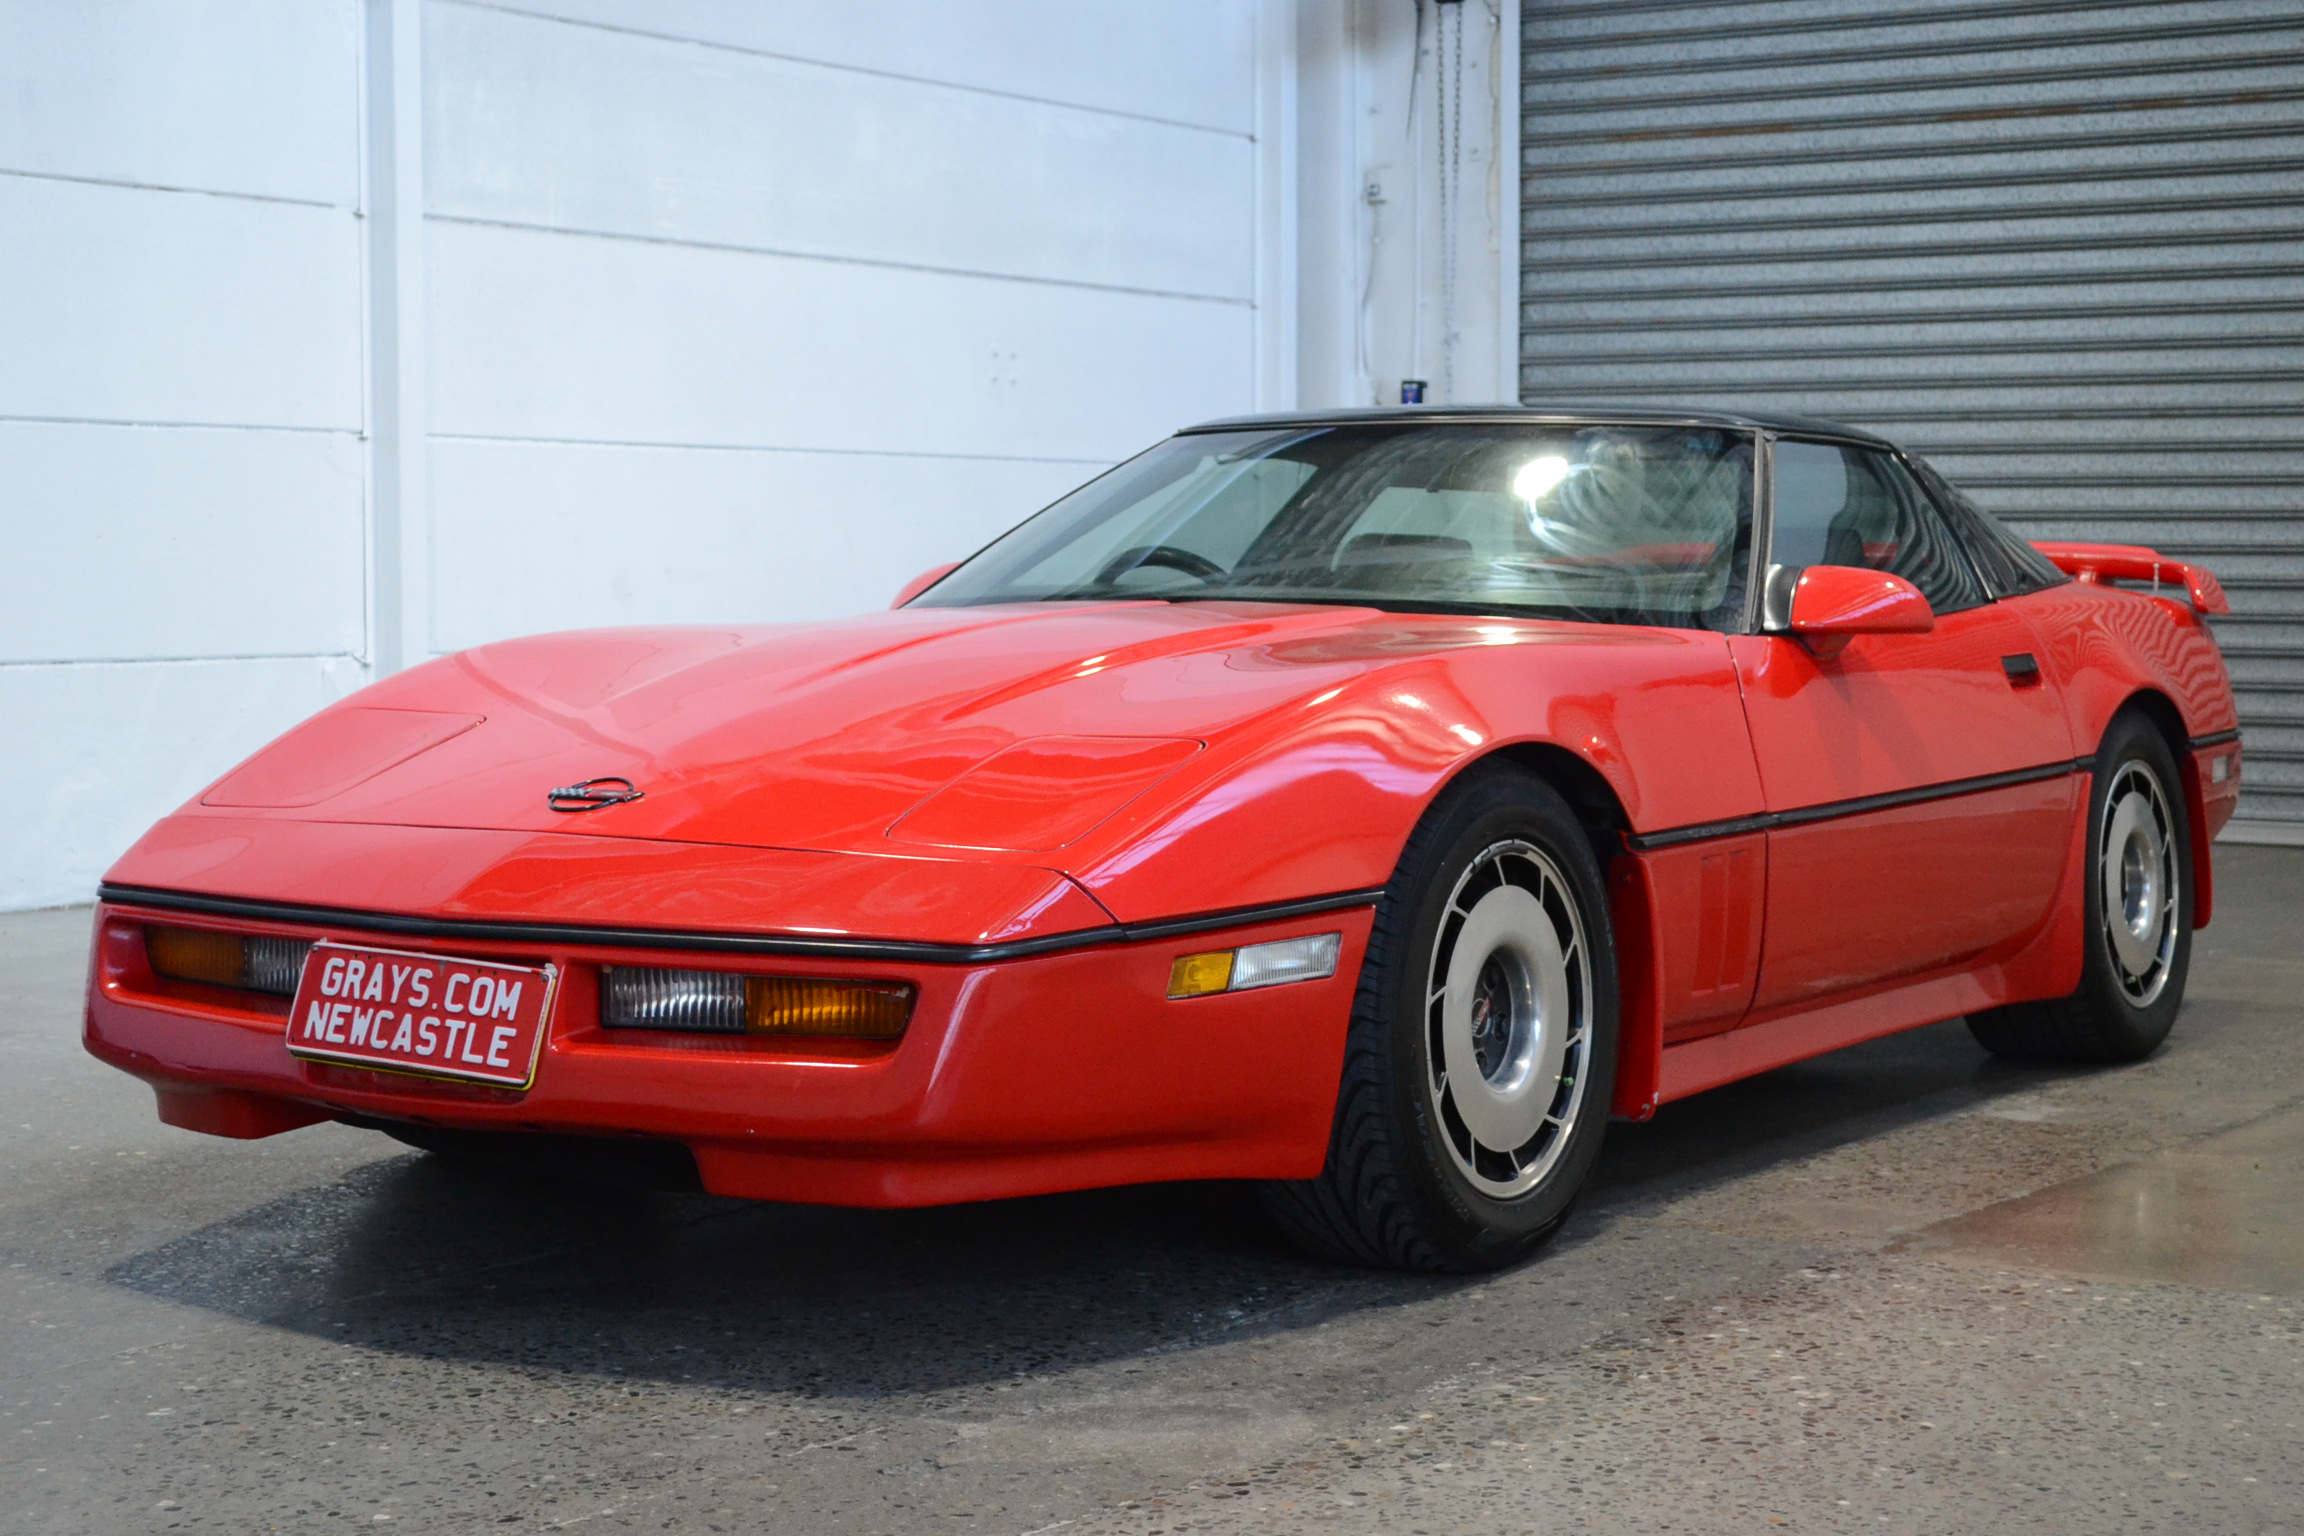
1828,605
923,582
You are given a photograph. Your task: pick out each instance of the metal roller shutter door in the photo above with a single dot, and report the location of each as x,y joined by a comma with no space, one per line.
2054,247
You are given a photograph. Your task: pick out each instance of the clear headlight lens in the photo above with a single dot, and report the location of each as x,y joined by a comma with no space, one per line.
632,997
725,1003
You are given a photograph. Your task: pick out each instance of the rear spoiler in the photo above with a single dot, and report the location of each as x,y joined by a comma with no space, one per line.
2104,564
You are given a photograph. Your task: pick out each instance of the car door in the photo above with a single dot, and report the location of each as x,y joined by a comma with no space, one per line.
1921,783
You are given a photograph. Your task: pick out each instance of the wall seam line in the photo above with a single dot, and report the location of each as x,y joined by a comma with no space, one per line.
121,184
834,259
133,422
861,453
176,661
717,46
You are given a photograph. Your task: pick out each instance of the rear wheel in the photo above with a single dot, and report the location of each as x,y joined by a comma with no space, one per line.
1482,1049
2138,917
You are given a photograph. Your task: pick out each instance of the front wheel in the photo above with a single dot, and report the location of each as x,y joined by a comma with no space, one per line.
1482,1049
2137,915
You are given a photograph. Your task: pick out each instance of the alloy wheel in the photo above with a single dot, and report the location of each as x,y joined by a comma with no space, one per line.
1508,1019
2137,864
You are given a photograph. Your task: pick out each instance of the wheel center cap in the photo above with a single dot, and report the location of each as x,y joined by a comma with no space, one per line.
2140,885
1498,1020
2139,881
1505,988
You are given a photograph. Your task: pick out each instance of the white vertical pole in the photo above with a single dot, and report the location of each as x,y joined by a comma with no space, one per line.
1276,221
1507,170
1329,238
399,524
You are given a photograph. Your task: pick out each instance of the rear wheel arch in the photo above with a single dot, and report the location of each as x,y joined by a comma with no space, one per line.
2133,898
2163,715
2161,710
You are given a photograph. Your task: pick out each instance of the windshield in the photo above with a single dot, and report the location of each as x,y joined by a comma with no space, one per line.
1617,524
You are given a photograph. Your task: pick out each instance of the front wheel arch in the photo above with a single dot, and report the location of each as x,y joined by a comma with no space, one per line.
1631,912
1598,807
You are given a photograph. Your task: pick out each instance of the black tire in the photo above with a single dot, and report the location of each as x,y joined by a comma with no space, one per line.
2122,1009
1408,1184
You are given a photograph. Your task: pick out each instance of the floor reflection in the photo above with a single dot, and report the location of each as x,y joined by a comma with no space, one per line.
2225,1212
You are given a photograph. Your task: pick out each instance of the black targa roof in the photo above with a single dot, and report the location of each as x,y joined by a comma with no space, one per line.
1401,415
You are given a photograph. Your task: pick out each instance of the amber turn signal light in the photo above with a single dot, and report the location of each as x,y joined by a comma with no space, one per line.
195,954
793,1005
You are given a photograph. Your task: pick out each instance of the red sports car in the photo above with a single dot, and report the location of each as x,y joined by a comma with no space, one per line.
1369,804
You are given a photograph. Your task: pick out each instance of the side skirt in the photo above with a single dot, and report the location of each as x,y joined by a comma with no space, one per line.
1695,1065
1650,1072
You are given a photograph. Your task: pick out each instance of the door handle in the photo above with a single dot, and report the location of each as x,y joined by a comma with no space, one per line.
2023,670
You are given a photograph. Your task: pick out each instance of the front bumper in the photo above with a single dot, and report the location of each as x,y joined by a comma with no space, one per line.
1064,1070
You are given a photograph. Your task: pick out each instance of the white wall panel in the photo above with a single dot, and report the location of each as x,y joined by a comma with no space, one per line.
555,336
127,542
549,536
123,304
1187,61
248,96
543,123
110,748
734,311
201,264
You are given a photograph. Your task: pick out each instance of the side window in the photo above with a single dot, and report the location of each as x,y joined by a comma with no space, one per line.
1839,505
2009,564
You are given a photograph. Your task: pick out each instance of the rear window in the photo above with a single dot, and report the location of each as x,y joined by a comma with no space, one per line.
2008,564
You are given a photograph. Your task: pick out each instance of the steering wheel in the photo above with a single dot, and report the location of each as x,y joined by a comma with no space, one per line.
1199,566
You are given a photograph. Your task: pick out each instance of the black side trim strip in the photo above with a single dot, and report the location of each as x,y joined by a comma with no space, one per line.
916,952
1833,810
2219,739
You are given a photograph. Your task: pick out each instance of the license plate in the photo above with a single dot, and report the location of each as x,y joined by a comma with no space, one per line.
433,1015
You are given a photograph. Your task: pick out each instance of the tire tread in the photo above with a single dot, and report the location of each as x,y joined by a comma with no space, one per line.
2057,1029
1357,1211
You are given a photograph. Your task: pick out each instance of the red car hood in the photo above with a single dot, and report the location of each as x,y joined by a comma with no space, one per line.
824,736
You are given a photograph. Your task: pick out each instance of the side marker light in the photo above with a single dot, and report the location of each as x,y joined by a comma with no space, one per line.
1199,975
1256,965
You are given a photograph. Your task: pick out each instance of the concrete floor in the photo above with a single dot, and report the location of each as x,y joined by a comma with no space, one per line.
1902,1289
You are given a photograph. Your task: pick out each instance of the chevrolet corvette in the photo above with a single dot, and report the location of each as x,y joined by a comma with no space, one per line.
1370,805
